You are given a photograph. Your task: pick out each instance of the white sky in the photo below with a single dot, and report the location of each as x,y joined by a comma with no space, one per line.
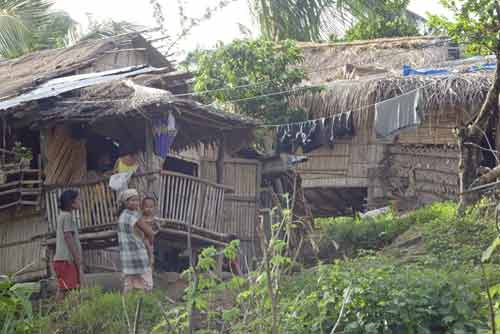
222,27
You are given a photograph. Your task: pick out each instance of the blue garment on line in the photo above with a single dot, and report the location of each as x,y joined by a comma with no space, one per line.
164,133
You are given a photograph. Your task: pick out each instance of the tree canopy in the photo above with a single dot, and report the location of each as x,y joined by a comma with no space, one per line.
388,19
261,66
476,23
20,20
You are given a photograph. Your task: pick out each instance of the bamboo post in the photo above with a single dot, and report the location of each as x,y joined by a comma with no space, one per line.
4,139
149,154
219,164
195,279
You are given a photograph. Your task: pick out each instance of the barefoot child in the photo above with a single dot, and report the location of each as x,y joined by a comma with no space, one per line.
133,252
148,211
67,262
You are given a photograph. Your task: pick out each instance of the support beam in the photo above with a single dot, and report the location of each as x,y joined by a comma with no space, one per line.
219,164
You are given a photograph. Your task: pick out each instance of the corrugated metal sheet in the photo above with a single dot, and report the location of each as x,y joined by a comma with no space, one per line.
58,86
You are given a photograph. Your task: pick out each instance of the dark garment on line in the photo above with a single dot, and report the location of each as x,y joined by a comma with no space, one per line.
338,126
285,138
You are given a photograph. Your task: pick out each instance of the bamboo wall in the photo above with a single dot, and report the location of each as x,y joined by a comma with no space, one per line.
240,207
19,247
381,166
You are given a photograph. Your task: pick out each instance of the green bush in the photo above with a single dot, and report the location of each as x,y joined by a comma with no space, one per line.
455,241
384,298
100,312
16,314
353,234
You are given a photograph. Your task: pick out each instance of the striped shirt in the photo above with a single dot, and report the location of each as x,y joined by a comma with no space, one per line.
133,251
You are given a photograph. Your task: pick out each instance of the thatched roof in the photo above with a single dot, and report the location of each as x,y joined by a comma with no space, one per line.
359,74
24,73
48,87
127,102
461,92
325,62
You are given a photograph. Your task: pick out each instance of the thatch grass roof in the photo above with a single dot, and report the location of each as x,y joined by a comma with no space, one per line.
127,102
461,92
324,62
25,73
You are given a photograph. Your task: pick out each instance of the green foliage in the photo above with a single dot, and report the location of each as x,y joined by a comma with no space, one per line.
389,19
19,20
262,67
372,233
53,33
290,19
22,152
353,234
456,241
476,23
381,297
16,314
100,312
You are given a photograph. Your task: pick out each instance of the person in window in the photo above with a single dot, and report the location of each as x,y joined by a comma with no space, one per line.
67,262
128,161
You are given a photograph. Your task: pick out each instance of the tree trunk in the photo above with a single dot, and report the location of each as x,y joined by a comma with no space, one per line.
468,156
467,166
488,109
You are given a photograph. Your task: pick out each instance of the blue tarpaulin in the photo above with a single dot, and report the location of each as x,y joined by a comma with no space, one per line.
408,71
482,67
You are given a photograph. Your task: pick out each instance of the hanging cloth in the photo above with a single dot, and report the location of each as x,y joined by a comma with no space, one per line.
314,132
164,133
397,114
285,138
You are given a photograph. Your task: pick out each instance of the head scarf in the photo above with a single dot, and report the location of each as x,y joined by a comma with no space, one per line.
127,194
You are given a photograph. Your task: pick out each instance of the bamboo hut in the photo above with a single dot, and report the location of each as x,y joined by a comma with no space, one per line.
419,164
65,105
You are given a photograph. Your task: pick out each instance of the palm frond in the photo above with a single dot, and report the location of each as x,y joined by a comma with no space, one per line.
18,22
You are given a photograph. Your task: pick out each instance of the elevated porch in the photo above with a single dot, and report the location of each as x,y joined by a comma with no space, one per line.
186,205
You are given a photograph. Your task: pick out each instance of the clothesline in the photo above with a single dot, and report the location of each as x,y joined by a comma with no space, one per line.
351,110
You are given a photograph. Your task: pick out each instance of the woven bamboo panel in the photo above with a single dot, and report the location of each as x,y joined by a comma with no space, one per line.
239,174
240,207
18,250
102,259
67,157
28,257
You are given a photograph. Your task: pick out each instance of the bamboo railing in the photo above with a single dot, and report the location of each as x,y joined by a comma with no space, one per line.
21,187
182,199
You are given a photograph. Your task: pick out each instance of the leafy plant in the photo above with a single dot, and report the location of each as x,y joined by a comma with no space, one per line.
475,24
390,19
102,312
259,68
16,314
22,152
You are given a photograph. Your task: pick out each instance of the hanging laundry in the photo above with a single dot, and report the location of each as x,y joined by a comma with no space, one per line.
397,113
285,137
164,132
313,139
340,125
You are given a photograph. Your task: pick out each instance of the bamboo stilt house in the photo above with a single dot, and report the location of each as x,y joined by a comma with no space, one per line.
415,166
73,106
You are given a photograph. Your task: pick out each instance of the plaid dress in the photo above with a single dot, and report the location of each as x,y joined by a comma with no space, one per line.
133,252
